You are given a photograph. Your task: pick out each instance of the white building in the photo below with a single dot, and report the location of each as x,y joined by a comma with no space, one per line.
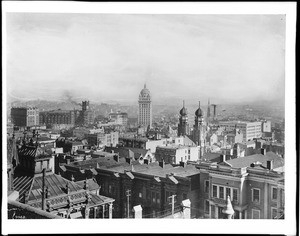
250,130
174,154
120,118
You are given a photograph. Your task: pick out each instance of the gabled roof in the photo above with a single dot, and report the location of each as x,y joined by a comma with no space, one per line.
33,152
55,184
57,187
187,141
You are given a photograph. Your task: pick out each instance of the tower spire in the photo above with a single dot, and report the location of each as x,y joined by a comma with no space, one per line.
145,85
183,103
199,104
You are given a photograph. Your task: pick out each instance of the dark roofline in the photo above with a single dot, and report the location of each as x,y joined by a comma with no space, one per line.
34,210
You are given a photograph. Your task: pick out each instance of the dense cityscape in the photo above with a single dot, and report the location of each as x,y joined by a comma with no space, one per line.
122,114
77,159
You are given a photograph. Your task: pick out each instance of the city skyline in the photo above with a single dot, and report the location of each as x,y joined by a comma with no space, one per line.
180,57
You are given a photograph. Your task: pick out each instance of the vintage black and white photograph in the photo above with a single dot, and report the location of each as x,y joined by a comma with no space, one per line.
148,115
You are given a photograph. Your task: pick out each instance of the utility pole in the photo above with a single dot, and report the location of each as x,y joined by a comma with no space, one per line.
128,194
173,203
43,189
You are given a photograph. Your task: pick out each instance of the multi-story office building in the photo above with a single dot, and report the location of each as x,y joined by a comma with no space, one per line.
25,116
120,118
145,108
108,139
68,117
251,130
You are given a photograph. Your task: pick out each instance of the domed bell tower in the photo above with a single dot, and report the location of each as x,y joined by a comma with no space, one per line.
199,131
183,126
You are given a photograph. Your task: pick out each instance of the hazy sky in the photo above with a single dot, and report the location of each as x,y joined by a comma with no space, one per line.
105,57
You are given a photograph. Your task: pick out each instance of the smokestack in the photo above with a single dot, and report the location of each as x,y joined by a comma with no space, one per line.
263,151
270,165
162,164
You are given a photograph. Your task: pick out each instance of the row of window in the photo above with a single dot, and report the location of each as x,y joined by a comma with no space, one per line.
222,192
256,194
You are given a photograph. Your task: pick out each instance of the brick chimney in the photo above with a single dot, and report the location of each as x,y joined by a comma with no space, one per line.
183,164
270,165
162,164
263,151
146,161
222,157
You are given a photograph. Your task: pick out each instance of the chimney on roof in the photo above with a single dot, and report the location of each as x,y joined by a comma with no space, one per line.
270,165
146,161
263,151
85,186
68,161
67,188
116,158
183,164
162,164
223,157
128,160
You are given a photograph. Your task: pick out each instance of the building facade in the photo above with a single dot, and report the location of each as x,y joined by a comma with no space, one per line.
109,139
150,185
250,130
145,108
120,118
59,117
25,116
67,118
255,185
176,153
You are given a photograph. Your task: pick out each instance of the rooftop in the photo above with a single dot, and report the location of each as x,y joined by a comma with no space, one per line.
153,169
248,160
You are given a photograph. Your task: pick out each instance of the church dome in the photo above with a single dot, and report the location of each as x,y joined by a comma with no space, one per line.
199,112
145,93
183,111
